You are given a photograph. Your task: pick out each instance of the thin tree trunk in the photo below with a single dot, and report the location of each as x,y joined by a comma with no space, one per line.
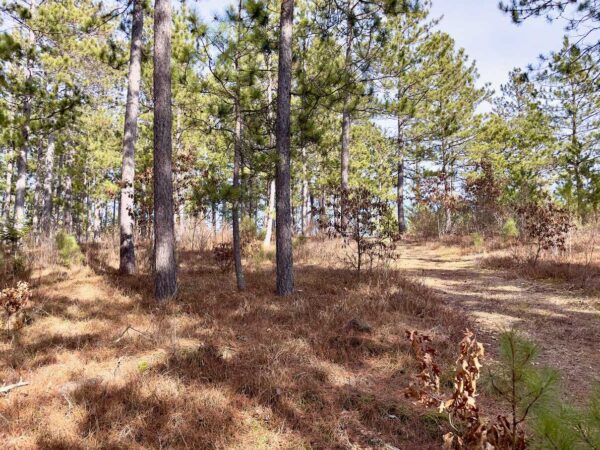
165,276
8,191
345,156
96,225
37,193
304,197
322,212
59,189
269,214
400,181
285,273
447,196
46,219
68,194
21,183
346,119
237,161
127,264
575,150
271,189
235,212
213,216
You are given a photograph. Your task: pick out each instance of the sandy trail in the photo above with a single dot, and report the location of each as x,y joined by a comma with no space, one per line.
565,325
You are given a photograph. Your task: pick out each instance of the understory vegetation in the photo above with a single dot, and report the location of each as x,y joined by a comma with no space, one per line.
298,224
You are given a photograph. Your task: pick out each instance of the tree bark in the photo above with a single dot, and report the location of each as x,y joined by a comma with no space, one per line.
283,216
346,118
127,264
304,194
345,155
269,214
237,161
271,189
165,276
46,219
400,181
97,222
67,213
36,210
21,183
235,213
8,191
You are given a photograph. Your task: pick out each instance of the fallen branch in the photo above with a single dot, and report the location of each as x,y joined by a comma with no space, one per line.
129,327
6,389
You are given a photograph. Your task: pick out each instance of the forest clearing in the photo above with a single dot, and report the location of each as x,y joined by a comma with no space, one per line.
300,224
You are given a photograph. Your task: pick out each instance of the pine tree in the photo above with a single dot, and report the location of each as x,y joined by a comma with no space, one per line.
165,277
285,274
574,101
127,263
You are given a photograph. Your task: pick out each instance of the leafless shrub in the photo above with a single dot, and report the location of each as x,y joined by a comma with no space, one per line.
14,301
545,227
366,227
471,431
223,255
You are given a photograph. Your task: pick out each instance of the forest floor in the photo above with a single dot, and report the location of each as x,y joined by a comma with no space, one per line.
563,321
222,369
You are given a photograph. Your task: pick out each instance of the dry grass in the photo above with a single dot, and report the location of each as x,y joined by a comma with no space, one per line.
576,268
218,368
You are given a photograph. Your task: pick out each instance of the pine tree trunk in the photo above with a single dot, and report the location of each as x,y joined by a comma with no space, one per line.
400,181
579,190
345,156
37,192
46,219
8,191
447,196
237,161
21,183
67,218
346,119
59,189
271,186
235,213
127,264
304,199
97,223
165,276
283,217
269,214
213,217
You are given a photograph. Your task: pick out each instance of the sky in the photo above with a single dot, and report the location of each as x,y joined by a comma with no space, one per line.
487,35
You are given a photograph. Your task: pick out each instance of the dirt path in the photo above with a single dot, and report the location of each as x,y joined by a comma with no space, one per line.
565,325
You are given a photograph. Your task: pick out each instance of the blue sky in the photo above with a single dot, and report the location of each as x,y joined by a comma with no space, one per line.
487,35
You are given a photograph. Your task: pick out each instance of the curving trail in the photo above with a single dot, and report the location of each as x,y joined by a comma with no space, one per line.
565,324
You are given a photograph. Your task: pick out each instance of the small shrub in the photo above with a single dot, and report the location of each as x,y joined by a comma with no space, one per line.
223,255
248,231
14,302
363,221
510,231
424,222
13,265
545,226
478,240
524,387
69,251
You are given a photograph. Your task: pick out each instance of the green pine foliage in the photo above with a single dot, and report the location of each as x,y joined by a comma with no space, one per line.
68,249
